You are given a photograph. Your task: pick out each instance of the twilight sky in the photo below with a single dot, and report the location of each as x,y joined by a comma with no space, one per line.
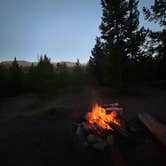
63,29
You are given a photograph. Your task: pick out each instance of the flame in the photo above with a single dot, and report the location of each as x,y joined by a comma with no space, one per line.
101,118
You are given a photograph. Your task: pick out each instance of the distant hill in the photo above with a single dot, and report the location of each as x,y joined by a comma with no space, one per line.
20,62
27,63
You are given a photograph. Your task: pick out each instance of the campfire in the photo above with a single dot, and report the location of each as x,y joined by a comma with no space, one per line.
99,117
105,129
101,124
105,123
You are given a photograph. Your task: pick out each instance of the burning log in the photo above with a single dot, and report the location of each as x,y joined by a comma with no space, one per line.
95,129
119,129
100,125
114,107
154,126
100,117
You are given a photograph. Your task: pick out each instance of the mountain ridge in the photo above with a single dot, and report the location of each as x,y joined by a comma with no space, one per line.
29,63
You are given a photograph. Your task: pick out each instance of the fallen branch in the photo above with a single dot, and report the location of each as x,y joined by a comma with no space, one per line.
154,126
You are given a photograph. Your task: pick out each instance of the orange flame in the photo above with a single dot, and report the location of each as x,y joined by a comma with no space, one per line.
100,117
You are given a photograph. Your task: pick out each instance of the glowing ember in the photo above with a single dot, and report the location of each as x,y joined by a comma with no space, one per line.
99,117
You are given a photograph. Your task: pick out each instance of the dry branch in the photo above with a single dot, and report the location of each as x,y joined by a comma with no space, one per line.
154,126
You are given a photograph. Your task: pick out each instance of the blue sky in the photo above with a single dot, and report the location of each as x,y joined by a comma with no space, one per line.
63,29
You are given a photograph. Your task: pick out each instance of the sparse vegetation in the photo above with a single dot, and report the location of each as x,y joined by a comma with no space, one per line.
43,78
124,55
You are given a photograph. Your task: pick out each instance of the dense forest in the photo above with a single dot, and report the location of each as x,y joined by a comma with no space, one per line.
125,54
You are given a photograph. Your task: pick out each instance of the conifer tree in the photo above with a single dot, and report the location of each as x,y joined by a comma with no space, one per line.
120,39
97,62
15,77
157,44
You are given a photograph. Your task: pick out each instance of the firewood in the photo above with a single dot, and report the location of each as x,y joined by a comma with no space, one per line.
120,129
110,105
157,129
120,111
114,109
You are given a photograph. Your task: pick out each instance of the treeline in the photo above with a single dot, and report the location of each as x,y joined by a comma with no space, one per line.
126,54
43,78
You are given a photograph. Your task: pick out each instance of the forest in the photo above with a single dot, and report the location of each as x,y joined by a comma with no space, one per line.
124,55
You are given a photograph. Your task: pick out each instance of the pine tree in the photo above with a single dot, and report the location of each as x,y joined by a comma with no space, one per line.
157,13
16,77
45,68
78,62
157,44
3,80
32,78
97,62
120,38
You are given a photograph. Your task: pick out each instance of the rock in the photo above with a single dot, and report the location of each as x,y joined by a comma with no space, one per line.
85,145
110,139
80,131
100,145
91,138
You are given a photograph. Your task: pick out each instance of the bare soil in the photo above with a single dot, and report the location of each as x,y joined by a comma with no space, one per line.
39,132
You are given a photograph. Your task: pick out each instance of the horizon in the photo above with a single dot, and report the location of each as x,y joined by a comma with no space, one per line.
29,30
29,61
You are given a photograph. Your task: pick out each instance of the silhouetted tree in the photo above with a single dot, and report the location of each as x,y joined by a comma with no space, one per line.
62,75
98,63
3,80
16,77
120,40
157,42
45,68
78,62
32,78
78,74
44,74
157,13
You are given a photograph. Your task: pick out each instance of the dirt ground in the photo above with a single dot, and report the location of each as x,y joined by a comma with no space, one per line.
37,132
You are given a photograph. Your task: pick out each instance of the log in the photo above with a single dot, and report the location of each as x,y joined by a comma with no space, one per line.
120,129
114,109
157,129
110,105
